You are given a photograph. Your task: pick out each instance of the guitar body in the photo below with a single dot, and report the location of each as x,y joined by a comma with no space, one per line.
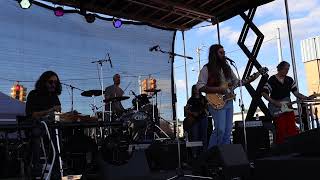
218,101
285,107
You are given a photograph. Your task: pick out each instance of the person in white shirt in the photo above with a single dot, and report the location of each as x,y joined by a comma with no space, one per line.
212,78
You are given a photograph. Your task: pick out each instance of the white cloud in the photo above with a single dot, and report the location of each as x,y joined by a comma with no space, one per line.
301,28
180,85
278,6
231,35
205,30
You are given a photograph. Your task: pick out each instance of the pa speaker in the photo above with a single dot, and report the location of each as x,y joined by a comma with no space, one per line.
230,157
306,143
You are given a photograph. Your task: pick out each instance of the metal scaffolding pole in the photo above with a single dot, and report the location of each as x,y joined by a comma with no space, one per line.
294,68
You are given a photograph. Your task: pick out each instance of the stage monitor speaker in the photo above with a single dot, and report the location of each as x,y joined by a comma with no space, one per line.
231,157
136,167
163,155
306,143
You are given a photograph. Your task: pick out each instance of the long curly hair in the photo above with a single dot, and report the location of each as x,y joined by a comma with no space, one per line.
41,87
215,65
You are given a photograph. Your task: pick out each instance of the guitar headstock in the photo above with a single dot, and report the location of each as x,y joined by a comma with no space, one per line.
263,71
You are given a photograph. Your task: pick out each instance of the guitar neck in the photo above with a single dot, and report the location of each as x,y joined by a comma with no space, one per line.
245,81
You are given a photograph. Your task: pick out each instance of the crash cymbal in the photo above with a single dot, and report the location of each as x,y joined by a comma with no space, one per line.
152,90
90,93
120,98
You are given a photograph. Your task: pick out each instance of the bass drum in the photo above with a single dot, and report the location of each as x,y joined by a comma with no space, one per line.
136,123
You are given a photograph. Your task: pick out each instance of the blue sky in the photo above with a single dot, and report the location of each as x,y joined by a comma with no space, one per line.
305,24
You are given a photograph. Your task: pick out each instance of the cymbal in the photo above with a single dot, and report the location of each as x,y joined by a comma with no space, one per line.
90,93
120,98
144,96
152,90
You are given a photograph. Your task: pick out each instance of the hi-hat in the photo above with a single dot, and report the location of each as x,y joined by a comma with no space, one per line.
90,93
152,90
120,98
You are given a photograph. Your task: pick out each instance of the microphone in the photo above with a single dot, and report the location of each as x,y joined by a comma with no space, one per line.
230,60
154,48
99,61
133,93
109,59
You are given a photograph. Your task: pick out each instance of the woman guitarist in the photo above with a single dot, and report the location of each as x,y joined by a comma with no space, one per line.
196,121
276,90
213,78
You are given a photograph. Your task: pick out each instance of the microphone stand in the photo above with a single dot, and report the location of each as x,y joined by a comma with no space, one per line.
100,62
241,104
172,54
72,88
179,172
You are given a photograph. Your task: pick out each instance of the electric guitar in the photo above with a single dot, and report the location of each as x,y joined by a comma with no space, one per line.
192,117
218,101
286,105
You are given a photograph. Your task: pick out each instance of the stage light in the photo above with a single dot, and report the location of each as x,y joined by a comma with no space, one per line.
58,11
24,4
90,18
117,23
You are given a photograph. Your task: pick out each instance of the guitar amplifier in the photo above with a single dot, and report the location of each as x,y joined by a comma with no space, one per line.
259,137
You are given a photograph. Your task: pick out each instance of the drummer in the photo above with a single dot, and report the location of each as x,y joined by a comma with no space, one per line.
114,91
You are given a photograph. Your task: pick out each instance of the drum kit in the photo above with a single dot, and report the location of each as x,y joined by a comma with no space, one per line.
139,123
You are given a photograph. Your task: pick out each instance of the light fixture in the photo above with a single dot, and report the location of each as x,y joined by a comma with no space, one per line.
58,11
90,17
117,23
24,4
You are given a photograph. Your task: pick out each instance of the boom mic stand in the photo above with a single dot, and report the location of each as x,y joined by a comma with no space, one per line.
241,104
171,54
72,88
179,172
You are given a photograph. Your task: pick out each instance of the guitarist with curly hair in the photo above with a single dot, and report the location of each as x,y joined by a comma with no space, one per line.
215,78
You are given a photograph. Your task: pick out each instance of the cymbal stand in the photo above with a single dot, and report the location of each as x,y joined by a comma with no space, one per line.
94,105
100,62
110,116
153,116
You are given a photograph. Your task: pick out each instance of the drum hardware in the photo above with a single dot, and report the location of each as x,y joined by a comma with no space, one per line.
155,104
110,101
100,74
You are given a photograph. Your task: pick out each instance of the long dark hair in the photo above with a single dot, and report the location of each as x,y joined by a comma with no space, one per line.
40,85
215,64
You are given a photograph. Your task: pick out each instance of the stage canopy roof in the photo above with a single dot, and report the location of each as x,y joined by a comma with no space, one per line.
175,14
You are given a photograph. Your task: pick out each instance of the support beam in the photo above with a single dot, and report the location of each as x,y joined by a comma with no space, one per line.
253,62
